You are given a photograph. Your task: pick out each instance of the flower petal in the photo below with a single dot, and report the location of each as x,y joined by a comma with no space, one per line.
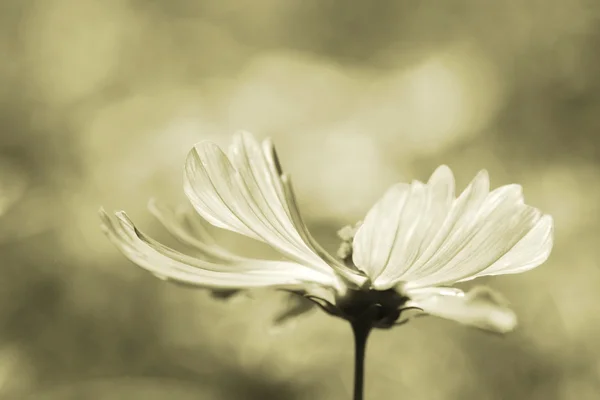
249,194
481,307
375,238
428,213
499,225
530,252
451,233
422,236
243,195
402,227
352,277
180,224
285,192
169,264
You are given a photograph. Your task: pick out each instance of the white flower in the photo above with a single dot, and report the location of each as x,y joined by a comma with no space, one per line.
415,242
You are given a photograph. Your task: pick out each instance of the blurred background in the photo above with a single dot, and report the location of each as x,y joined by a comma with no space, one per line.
100,102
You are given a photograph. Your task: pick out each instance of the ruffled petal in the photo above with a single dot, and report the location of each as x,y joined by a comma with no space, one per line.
450,234
242,196
421,236
420,223
402,227
248,193
285,192
531,251
169,264
376,237
352,276
481,307
500,225
184,227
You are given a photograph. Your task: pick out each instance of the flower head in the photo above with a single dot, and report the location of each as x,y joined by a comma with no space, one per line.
413,244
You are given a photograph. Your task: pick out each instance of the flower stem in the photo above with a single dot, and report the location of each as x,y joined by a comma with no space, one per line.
361,330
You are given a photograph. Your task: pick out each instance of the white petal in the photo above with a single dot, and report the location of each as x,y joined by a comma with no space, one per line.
530,252
458,224
180,224
405,226
481,307
169,264
285,192
408,235
245,196
428,212
375,238
210,184
250,194
500,224
352,277
423,237
422,293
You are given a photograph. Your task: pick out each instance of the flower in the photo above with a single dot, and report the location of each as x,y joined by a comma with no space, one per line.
415,242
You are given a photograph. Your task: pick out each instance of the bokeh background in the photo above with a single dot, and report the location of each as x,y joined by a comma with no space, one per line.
101,100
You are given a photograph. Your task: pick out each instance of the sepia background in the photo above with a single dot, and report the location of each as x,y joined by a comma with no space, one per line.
101,100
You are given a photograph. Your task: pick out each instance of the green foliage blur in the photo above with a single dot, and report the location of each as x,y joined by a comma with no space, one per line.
101,100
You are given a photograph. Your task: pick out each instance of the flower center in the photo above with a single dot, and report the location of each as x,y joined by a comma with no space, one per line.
379,308
362,306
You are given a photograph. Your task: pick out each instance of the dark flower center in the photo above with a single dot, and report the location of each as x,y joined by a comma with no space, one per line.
379,308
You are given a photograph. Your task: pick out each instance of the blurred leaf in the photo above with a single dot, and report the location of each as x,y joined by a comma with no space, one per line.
296,306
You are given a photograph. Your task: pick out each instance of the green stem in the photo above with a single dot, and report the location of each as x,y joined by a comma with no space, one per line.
361,330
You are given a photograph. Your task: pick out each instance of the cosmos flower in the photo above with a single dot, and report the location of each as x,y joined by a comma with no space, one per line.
414,244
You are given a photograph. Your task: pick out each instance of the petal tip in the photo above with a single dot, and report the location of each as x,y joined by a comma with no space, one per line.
201,150
105,221
442,171
483,174
124,220
246,135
